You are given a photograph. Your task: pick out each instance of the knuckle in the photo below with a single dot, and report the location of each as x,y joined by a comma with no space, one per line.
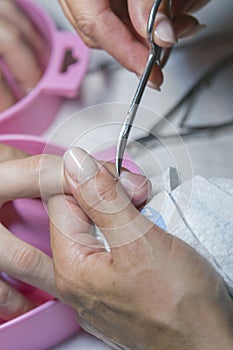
27,261
34,163
38,166
87,26
63,273
102,196
71,288
4,294
107,194
41,164
89,42
63,285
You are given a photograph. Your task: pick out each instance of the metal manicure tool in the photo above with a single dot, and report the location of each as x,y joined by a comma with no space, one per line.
154,58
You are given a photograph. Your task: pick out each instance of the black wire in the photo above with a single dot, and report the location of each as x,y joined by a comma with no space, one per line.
187,133
190,95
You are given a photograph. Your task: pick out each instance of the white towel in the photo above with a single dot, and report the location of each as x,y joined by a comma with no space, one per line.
200,212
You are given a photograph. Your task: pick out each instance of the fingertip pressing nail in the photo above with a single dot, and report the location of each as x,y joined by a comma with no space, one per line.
136,180
137,186
80,165
164,31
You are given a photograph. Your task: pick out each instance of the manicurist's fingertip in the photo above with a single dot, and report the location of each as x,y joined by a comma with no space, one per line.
136,186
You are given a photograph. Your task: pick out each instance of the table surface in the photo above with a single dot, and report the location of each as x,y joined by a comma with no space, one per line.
93,120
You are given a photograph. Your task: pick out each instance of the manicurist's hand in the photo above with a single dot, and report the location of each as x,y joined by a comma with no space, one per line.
20,47
119,27
151,290
22,176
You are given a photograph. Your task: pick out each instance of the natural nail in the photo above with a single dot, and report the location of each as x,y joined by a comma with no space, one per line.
80,165
153,85
136,185
196,5
194,30
164,30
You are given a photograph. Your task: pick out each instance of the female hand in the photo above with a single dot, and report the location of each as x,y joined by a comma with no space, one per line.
119,27
151,291
22,176
17,258
20,47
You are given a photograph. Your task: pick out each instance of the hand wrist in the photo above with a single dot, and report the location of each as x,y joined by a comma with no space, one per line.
210,326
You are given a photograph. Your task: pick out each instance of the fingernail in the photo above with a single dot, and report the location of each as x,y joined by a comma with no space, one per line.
136,180
196,5
151,84
164,30
80,165
136,185
194,30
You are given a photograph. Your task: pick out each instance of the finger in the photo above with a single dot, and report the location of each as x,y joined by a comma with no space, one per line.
107,31
103,199
68,13
43,176
75,249
68,219
186,25
167,30
7,99
197,5
25,262
12,302
9,153
32,177
14,14
25,70
184,6
88,41
137,187
164,34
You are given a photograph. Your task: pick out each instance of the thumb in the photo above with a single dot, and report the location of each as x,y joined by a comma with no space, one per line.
102,198
164,34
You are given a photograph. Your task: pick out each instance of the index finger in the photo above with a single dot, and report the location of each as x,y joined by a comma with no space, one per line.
10,153
31,177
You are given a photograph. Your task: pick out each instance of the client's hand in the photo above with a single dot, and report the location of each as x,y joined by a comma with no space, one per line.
27,177
151,291
20,47
19,177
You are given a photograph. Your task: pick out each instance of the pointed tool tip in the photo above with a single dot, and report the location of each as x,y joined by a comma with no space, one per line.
118,166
